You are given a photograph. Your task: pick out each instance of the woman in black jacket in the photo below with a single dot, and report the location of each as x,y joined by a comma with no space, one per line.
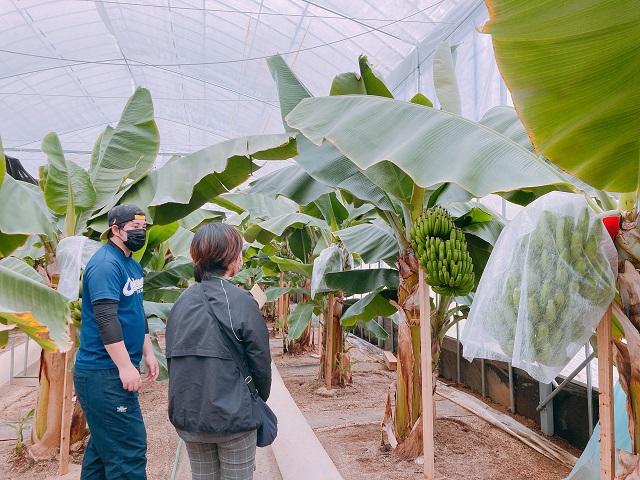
210,404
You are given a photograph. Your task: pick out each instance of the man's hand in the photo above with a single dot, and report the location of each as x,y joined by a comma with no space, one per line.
153,369
130,377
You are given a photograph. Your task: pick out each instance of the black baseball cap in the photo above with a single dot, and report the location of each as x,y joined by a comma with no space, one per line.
121,214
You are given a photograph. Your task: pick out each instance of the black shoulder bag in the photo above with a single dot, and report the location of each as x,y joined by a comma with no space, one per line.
268,429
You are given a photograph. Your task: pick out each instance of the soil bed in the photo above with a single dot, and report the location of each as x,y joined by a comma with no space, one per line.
348,425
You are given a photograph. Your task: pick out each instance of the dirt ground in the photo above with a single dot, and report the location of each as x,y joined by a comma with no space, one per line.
349,428
347,424
16,400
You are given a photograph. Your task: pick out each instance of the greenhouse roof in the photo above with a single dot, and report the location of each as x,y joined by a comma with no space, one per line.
70,65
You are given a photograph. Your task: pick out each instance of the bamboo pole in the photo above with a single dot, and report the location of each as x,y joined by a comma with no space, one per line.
605,398
328,356
426,367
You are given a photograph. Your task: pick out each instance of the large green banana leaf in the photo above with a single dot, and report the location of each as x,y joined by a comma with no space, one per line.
572,69
183,185
291,182
363,281
431,146
126,151
23,268
371,241
276,226
259,205
39,311
22,213
201,217
175,272
298,320
366,309
68,187
325,164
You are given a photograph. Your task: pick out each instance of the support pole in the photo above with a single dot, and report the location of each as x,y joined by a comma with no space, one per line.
605,399
328,355
67,409
426,368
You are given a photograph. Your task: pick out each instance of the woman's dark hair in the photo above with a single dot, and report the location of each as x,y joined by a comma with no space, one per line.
213,248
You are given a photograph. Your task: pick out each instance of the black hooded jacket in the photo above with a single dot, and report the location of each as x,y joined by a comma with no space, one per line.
207,391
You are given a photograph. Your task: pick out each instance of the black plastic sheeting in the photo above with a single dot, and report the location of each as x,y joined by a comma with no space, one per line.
17,171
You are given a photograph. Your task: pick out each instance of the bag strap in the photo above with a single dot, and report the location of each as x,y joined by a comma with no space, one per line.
230,343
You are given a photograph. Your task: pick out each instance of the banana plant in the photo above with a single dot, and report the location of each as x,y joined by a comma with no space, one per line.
402,157
71,205
583,115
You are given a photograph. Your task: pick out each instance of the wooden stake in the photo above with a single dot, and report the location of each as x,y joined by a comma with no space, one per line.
328,354
426,368
605,385
67,410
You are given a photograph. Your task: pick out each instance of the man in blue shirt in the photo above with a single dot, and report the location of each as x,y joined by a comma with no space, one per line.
114,338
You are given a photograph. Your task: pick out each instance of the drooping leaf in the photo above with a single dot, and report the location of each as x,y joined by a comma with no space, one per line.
291,182
21,267
430,146
445,81
363,281
372,241
367,308
22,213
181,187
294,266
39,311
128,150
200,217
572,69
273,293
260,206
276,226
299,319
375,328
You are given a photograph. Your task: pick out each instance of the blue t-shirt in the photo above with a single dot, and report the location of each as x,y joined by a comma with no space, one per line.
110,275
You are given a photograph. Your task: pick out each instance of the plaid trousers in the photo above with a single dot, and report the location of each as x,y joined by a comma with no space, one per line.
231,460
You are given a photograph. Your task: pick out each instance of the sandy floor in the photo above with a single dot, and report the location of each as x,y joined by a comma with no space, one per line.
349,428
16,400
347,425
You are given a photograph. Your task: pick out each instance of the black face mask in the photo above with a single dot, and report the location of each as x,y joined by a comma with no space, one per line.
135,239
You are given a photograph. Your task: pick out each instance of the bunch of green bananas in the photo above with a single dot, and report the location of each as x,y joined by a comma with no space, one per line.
565,274
76,313
442,251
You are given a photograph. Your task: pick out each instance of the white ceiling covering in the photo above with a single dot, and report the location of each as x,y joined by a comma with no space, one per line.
69,65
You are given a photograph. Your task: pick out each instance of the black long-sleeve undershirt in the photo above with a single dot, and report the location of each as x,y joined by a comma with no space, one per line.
106,313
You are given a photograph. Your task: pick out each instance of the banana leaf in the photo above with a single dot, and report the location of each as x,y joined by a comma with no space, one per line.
352,282
428,145
367,308
572,70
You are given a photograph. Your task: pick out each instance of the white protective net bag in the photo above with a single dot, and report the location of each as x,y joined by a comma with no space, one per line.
548,282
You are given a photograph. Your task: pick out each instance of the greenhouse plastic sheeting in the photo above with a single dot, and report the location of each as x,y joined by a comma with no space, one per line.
588,465
69,65
545,288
